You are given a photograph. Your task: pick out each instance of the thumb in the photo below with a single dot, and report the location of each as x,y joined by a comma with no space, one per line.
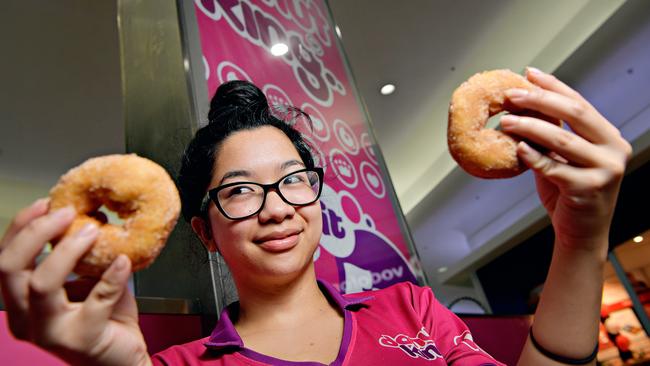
101,302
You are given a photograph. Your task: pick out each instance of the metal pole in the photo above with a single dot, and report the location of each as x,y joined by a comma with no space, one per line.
636,303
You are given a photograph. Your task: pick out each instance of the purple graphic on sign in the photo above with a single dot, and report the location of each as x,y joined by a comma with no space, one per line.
381,269
362,246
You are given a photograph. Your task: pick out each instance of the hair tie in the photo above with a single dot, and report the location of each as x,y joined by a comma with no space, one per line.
562,359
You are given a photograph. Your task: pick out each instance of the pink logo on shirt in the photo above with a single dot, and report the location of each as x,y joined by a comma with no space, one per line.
419,346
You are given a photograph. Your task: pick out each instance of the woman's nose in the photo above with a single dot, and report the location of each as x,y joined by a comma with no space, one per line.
275,208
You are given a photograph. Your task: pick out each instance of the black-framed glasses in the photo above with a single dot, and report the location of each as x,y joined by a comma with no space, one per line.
241,200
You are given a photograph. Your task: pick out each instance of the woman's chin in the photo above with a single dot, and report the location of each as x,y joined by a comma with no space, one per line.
282,270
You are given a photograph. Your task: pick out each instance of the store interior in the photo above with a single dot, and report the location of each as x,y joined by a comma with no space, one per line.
62,101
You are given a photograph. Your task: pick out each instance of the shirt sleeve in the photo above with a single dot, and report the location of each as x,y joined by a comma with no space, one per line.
451,335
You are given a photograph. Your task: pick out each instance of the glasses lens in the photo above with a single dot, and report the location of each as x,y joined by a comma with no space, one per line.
300,188
241,200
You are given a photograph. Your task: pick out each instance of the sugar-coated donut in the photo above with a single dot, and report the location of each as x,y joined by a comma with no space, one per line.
482,152
138,190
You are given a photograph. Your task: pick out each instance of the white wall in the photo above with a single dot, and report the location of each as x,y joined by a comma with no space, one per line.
60,99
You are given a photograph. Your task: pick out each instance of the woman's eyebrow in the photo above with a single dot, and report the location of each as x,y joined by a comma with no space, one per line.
235,173
290,163
246,173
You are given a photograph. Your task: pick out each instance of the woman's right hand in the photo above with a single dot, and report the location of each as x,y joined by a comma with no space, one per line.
102,329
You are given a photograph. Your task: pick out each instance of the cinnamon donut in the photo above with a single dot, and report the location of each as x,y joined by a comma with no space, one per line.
138,190
485,153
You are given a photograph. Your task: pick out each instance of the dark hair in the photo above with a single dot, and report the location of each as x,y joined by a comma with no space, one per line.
237,105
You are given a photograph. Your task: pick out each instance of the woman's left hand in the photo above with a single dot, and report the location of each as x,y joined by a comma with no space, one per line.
579,179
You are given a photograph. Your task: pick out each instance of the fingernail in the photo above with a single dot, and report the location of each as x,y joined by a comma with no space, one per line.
40,202
534,70
64,213
528,151
516,93
509,120
87,230
120,262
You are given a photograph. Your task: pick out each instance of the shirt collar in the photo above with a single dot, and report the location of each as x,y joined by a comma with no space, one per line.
225,334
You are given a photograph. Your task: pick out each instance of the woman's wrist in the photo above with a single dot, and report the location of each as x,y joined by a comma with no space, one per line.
570,256
561,358
595,246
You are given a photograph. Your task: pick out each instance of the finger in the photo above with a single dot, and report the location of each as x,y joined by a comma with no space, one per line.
569,145
46,284
14,284
36,209
100,304
548,192
20,252
14,295
558,157
562,175
550,82
126,308
579,114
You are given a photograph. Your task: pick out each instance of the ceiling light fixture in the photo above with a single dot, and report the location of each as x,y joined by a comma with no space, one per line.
279,49
387,89
638,239
442,269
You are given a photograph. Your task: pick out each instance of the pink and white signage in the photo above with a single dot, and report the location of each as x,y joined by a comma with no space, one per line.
362,246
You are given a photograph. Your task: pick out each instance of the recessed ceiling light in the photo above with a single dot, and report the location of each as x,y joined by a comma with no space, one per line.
338,30
638,239
442,269
279,49
387,89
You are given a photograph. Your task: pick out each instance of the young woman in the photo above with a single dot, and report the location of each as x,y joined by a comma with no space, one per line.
250,190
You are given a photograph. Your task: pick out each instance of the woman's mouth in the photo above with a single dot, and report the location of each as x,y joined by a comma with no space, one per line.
279,243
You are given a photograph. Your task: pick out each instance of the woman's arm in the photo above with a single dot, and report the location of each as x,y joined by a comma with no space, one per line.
566,320
578,183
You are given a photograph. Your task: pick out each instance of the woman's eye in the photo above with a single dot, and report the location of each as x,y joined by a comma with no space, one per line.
239,190
293,179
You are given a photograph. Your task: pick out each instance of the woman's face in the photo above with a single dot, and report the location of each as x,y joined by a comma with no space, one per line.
278,243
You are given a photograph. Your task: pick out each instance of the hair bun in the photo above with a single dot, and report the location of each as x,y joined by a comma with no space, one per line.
237,93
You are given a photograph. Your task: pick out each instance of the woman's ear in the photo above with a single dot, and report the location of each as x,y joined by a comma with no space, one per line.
203,231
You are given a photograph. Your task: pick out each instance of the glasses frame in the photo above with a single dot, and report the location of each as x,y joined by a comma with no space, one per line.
212,194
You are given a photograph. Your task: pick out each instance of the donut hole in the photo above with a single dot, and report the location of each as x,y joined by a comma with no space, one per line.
107,210
494,121
107,216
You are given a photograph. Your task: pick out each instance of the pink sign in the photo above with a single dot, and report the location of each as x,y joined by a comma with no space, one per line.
362,246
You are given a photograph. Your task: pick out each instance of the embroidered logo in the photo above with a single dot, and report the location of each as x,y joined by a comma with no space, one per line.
467,339
421,345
